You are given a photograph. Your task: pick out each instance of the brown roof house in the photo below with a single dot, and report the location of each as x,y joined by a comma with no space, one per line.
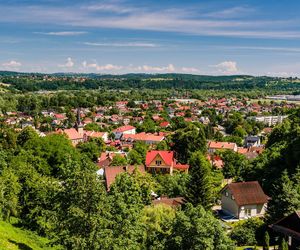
289,227
110,173
244,199
172,202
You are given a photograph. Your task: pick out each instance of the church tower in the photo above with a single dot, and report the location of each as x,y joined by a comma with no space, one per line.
79,125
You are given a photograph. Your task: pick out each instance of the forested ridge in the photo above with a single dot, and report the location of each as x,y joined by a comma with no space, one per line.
36,82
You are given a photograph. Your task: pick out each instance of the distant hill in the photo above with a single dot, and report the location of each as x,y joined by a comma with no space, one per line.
75,81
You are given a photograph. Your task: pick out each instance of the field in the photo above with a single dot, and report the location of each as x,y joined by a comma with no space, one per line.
13,238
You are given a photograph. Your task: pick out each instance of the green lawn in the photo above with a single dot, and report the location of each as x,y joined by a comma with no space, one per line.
12,238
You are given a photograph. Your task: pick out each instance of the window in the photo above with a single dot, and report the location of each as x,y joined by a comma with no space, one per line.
158,163
232,197
226,194
247,212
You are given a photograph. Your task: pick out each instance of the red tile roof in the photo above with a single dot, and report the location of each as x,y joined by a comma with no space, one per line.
167,156
143,137
72,133
181,166
164,124
124,128
94,134
221,145
247,193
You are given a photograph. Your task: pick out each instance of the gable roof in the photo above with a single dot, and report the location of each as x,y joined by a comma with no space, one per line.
289,225
112,172
72,133
167,156
247,193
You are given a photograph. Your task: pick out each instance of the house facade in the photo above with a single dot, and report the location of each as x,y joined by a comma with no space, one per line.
124,130
159,161
244,200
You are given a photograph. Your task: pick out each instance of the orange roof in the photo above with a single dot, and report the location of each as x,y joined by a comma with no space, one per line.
124,128
143,137
167,156
94,134
72,133
242,150
181,166
221,145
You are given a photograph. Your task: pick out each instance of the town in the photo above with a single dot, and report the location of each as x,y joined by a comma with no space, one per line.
149,125
169,142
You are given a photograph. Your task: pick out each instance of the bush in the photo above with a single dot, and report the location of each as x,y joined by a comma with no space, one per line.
247,232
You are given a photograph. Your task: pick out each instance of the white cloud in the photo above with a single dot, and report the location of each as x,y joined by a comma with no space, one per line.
227,67
12,64
155,69
62,33
110,7
145,18
106,67
238,11
69,63
132,44
129,68
189,70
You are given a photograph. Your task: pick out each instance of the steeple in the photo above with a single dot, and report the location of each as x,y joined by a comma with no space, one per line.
79,125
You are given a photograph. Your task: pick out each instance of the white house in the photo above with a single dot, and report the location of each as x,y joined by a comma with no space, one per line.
244,199
127,130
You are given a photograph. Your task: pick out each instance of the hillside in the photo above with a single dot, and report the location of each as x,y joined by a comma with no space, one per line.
12,238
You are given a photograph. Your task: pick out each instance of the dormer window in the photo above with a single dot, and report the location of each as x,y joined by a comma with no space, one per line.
232,197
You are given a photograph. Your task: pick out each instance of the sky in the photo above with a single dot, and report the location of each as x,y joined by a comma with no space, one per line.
211,37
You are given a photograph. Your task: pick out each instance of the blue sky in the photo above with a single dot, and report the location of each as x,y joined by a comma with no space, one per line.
119,36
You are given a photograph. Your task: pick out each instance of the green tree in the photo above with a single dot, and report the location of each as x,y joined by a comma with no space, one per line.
90,149
196,228
92,127
188,140
267,241
234,164
286,197
284,245
173,185
163,145
127,198
199,188
134,158
25,135
247,232
157,224
118,160
83,212
9,191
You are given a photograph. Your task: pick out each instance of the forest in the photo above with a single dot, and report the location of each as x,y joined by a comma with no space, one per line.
35,82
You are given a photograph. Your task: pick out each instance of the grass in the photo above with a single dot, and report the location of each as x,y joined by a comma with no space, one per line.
13,238
242,248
